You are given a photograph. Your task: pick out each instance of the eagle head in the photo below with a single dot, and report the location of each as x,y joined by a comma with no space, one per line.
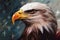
39,15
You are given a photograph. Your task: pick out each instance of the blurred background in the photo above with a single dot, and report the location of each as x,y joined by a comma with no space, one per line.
8,31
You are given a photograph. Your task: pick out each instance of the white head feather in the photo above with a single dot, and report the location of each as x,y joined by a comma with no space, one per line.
34,5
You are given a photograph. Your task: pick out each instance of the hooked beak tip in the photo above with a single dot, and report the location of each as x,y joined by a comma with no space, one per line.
13,20
14,17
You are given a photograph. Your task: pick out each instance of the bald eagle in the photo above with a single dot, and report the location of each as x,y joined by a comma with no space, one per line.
40,21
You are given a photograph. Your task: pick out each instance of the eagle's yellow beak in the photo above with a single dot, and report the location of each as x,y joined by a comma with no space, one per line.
19,15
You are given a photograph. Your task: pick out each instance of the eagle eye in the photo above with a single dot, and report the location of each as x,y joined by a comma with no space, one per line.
32,11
